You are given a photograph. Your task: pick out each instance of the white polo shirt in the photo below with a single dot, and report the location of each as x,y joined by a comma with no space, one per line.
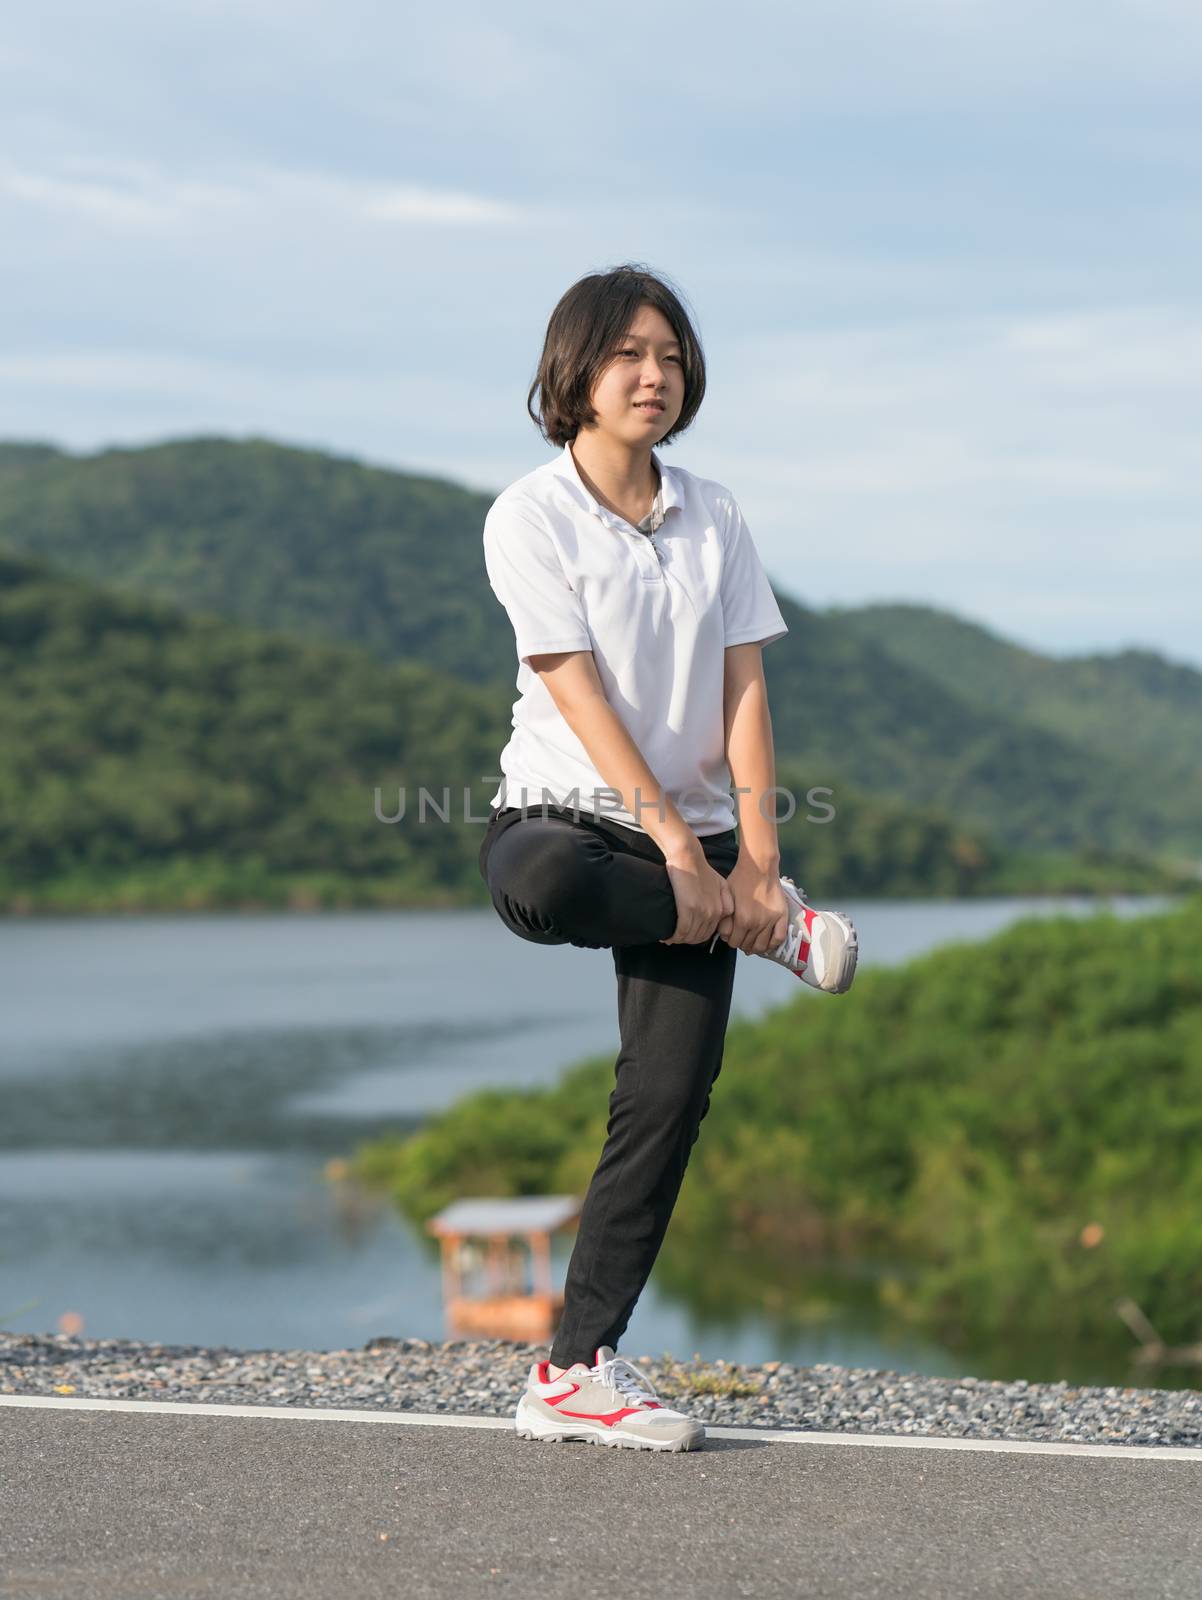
656,611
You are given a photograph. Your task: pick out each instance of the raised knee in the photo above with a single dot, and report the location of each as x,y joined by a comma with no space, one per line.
568,873
546,868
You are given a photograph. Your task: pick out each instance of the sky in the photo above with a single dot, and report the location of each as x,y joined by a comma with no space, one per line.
943,256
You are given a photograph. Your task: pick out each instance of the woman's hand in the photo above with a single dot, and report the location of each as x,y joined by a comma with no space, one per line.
760,915
702,896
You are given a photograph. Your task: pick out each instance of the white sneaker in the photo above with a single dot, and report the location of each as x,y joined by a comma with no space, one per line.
609,1403
820,947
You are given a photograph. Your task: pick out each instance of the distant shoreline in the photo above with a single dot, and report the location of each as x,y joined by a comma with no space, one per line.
16,911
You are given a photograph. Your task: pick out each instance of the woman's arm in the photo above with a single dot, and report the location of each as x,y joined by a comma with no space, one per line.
760,918
702,897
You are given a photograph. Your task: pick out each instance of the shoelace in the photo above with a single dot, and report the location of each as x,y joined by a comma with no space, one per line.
626,1379
794,934
788,952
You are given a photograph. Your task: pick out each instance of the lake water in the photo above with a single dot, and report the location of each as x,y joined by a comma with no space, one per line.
171,1088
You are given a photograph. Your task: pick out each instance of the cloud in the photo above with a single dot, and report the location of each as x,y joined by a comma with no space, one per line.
141,196
1150,347
1059,402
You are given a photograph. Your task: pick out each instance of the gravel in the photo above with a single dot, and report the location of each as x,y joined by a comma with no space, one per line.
485,1378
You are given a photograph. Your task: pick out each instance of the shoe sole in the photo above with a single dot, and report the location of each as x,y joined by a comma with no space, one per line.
848,957
583,1434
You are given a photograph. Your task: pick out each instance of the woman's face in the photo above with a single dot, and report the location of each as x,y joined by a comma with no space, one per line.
648,366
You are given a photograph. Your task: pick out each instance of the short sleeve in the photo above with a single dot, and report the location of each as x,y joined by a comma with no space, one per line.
749,608
528,578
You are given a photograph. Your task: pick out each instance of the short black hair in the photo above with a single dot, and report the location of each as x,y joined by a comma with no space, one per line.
582,337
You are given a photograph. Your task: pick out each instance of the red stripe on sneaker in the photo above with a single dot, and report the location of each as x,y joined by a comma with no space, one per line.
554,1399
609,1418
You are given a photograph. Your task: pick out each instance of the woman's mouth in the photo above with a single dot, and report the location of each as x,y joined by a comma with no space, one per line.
653,406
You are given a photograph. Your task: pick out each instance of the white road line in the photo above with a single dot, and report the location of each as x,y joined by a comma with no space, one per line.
886,1441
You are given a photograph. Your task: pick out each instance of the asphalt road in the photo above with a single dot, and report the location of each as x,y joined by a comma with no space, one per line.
118,1505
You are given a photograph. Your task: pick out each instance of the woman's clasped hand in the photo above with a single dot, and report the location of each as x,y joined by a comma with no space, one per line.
748,909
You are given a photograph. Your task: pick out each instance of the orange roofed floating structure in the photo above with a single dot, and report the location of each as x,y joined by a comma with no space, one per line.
486,1289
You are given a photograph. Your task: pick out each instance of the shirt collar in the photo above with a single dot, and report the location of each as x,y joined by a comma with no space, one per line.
565,467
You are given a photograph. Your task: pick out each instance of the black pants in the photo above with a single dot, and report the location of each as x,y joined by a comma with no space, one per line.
559,878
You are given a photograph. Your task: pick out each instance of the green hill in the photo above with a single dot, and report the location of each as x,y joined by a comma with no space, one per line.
842,702
326,548
292,540
1132,704
151,758
17,456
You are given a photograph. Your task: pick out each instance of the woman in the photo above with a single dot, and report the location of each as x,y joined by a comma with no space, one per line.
639,608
